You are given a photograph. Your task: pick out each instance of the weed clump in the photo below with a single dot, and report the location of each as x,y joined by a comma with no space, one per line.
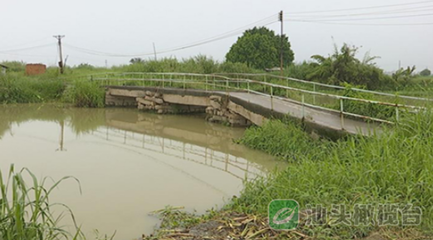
85,94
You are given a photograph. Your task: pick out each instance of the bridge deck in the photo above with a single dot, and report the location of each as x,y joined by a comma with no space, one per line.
324,118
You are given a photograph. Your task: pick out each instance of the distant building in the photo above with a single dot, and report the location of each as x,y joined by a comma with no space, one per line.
35,69
3,69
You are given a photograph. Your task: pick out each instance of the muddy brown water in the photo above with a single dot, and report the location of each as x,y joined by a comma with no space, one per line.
129,163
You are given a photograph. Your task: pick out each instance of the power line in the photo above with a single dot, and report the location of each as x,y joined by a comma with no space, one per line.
410,10
361,24
362,8
27,48
368,19
27,43
264,22
24,55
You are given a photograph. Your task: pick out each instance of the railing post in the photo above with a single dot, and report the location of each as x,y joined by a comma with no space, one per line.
163,81
214,85
184,79
206,83
248,89
303,106
341,113
396,112
272,98
314,95
227,84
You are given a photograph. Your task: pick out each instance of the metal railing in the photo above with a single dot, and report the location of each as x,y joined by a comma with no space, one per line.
314,85
314,98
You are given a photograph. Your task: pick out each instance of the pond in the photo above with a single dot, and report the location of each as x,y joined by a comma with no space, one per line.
129,163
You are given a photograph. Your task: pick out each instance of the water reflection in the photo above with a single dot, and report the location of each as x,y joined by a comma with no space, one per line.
129,163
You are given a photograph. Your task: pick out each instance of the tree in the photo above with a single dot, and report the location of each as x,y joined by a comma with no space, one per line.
136,60
343,67
425,73
404,76
85,66
260,48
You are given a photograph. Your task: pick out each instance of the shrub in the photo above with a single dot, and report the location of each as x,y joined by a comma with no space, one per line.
343,67
425,73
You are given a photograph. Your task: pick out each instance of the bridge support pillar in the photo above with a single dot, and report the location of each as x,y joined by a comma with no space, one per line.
155,102
218,112
119,101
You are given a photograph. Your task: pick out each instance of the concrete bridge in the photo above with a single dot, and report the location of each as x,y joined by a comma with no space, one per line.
242,100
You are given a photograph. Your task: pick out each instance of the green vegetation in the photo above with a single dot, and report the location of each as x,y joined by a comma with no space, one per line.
197,64
15,66
343,67
383,112
392,167
275,138
84,94
26,212
260,48
18,88
425,73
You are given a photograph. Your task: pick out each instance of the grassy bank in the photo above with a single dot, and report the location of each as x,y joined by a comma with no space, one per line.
391,168
18,88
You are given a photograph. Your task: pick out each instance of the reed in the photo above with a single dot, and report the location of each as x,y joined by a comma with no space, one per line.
25,210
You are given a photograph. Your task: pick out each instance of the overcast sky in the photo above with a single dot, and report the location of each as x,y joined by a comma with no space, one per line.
131,27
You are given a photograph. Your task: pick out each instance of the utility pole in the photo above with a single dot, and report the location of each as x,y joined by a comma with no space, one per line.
154,51
59,41
282,43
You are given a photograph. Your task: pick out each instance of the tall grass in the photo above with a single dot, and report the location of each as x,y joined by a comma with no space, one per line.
393,167
198,64
284,139
15,88
85,94
26,212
